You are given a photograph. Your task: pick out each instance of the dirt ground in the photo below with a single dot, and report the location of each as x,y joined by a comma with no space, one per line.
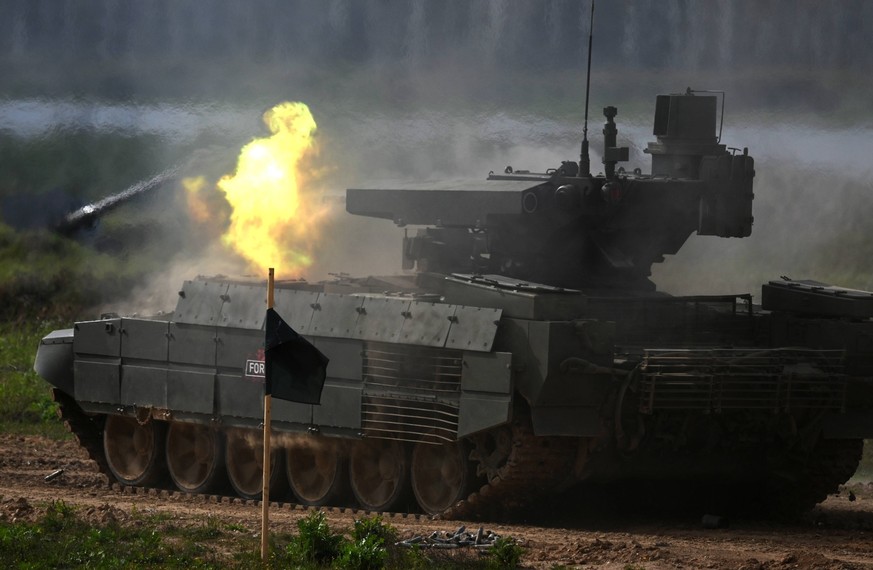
838,534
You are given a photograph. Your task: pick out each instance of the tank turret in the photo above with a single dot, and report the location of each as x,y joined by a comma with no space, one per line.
567,228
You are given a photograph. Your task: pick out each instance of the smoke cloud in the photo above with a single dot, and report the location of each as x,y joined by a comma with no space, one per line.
424,90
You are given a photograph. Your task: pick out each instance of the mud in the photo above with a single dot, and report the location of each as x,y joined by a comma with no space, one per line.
838,534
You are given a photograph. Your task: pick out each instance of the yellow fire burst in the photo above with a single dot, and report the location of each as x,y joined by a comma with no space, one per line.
275,220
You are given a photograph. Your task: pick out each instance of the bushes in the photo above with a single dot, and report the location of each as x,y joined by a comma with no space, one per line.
505,553
316,544
372,547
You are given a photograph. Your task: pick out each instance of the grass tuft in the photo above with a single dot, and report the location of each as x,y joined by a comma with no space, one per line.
61,539
316,544
504,553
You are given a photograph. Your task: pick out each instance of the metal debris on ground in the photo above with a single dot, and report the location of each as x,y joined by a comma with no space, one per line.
448,539
53,475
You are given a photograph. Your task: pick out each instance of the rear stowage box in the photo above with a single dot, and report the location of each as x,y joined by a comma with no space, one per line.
815,298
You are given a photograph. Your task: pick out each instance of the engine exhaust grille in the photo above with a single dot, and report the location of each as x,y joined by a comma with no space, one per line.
411,393
779,380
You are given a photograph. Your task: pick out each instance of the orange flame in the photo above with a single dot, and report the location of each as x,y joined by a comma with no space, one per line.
195,198
275,213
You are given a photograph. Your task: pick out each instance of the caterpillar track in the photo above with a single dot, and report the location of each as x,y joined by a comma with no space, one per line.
536,468
88,430
831,463
533,467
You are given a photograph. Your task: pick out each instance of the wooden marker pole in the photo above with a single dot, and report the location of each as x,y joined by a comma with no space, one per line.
265,494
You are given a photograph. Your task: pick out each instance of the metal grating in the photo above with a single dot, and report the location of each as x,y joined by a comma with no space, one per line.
411,393
779,380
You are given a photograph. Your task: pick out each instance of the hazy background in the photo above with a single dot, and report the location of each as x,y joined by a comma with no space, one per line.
99,94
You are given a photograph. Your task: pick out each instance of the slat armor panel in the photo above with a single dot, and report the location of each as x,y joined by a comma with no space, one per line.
411,393
779,380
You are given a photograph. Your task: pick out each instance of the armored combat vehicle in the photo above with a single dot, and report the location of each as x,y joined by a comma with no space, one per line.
526,350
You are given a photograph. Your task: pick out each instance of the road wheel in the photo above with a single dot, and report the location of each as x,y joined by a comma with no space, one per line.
134,451
195,457
441,475
244,454
379,474
316,470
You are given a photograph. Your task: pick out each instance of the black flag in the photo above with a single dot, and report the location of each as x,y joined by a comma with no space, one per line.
294,369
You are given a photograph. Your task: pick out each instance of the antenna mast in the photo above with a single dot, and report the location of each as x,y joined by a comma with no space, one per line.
584,159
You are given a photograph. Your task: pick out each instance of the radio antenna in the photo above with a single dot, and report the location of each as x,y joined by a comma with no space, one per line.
584,159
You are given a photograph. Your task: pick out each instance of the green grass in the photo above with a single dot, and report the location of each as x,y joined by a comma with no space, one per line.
38,293
47,282
43,275
61,537
25,402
